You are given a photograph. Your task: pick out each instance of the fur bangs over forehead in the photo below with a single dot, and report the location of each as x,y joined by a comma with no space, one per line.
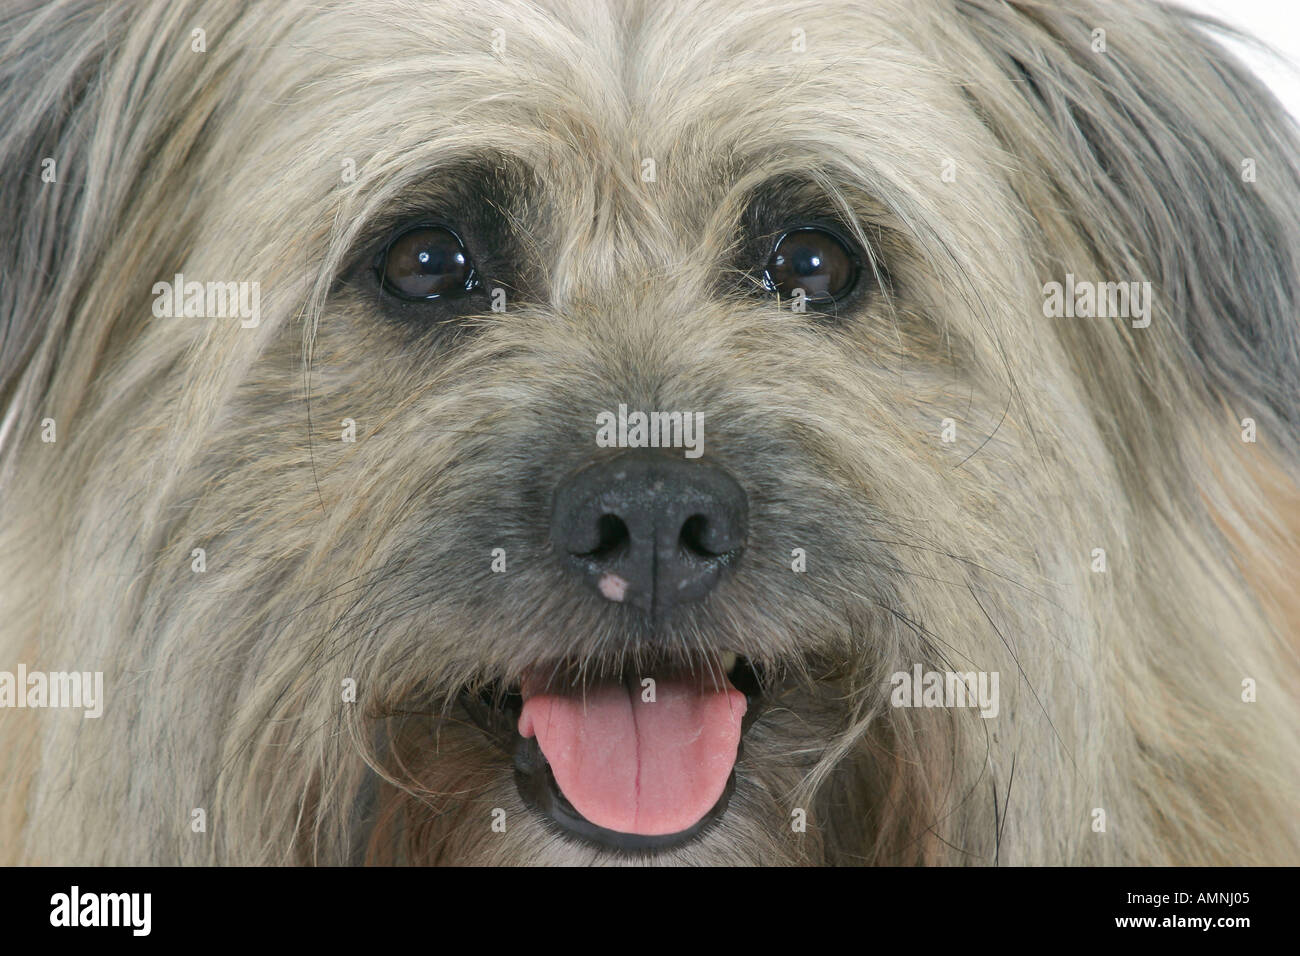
275,531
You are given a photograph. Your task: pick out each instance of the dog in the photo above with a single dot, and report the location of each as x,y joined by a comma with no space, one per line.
608,432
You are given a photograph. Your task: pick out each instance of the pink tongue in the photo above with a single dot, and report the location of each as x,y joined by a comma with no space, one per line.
638,767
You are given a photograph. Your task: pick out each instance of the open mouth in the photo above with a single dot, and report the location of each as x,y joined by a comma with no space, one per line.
638,762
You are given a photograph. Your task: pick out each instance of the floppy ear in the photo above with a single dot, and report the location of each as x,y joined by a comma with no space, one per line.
1176,165
49,64
102,106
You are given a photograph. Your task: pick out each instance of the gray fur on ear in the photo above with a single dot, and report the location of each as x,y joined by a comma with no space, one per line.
45,144
1191,166
90,150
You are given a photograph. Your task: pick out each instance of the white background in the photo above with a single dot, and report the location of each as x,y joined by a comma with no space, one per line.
1277,23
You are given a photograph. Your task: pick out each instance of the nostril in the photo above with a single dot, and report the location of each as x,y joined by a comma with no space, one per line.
695,535
611,537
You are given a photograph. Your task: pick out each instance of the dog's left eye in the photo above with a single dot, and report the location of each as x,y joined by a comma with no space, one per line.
426,262
814,260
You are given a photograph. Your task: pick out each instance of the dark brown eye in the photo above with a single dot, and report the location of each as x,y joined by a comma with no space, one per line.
813,260
427,262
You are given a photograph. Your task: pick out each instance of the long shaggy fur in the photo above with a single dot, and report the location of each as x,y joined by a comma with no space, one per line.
328,560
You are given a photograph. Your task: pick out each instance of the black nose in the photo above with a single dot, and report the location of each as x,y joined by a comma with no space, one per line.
650,530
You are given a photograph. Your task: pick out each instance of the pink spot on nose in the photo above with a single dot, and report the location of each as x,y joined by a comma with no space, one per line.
612,586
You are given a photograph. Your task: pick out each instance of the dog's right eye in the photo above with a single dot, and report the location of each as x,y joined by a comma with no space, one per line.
813,260
426,262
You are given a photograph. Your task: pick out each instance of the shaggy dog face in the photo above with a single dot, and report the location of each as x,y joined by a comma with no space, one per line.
365,586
